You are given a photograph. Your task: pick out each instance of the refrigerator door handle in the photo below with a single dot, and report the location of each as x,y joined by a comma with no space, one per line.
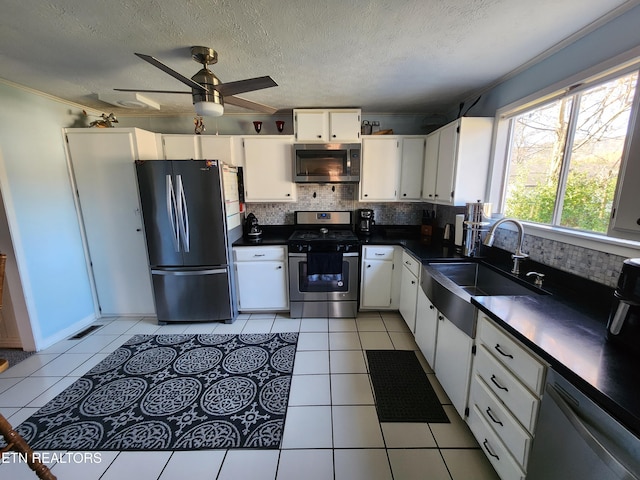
186,273
171,212
183,214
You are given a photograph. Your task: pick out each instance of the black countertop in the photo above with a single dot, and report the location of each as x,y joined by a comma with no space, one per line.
574,343
566,328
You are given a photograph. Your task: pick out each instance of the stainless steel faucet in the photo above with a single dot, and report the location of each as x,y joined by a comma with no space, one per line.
519,254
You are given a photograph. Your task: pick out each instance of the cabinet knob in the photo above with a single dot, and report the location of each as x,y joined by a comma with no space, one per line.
368,266
279,267
413,282
319,136
334,135
288,194
638,221
431,307
366,194
440,317
404,194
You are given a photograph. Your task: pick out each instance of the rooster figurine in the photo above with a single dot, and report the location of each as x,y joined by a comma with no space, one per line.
106,122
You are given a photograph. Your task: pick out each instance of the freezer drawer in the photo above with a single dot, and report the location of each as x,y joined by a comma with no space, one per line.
192,295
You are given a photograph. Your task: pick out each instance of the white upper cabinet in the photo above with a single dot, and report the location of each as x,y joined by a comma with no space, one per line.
315,125
380,168
226,148
176,147
462,162
268,169
411,164
430,166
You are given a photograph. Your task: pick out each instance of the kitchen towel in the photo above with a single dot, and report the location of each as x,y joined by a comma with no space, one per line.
323,263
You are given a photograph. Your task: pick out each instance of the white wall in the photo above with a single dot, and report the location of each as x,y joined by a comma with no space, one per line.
614,38
47,272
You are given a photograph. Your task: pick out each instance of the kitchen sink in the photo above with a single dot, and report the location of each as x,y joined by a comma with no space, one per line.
451,285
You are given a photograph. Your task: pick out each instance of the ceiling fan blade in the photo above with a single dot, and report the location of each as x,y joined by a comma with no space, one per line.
241,102
178,76
248,85
148,91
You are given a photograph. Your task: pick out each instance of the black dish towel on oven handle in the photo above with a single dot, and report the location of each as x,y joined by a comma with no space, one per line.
324,263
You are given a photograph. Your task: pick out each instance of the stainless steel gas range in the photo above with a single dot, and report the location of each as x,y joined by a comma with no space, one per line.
323,265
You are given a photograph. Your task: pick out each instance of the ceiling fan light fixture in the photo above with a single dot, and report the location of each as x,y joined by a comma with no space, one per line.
209,109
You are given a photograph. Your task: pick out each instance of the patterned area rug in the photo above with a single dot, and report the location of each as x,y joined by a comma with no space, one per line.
174,392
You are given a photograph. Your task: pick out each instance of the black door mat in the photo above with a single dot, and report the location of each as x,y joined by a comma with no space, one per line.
402,390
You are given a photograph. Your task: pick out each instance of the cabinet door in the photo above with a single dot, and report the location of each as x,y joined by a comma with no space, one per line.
408,295
108,193
426,327
447,153
411,168
380,169
430,167
268,174
218,147
311,126
262,286
179,147
453,362
344,126
377,283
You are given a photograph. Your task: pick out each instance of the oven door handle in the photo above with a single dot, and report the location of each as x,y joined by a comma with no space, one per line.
304,255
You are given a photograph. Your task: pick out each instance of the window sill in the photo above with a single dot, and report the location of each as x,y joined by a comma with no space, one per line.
601,243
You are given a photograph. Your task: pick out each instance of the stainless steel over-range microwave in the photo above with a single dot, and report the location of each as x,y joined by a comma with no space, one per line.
326,162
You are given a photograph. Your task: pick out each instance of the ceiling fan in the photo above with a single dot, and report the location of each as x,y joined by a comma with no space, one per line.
209,94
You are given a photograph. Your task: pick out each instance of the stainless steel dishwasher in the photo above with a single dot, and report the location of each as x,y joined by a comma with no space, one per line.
576,439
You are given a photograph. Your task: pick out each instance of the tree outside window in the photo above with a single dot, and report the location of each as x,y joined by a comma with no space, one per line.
565,156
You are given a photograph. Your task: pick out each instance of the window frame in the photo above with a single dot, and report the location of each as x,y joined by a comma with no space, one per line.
614,241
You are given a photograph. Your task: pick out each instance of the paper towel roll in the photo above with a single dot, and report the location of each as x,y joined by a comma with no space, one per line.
459,229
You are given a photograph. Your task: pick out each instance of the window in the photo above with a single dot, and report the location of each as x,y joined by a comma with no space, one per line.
564,155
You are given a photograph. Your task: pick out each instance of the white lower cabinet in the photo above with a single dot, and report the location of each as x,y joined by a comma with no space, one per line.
426,327
261,278
378,277
507,382
409,286
453,362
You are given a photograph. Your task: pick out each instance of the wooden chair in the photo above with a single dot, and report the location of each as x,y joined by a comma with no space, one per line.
16,443
4,363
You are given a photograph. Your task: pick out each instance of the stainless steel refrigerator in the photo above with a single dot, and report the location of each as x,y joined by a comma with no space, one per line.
189,227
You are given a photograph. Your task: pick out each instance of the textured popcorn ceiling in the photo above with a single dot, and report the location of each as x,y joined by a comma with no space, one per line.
381,55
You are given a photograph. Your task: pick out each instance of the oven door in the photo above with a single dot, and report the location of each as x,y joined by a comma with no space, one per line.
315,295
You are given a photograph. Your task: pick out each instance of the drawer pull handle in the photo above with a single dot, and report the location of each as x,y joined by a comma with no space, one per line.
380,254
493,419
259,254
486,446
493,379
497,347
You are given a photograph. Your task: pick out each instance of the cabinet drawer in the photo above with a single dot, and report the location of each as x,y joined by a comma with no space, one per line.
517,398
504,464
378,253
253,254
411,263
516,438
516,358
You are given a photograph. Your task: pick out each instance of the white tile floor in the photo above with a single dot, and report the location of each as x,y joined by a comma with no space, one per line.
331,430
